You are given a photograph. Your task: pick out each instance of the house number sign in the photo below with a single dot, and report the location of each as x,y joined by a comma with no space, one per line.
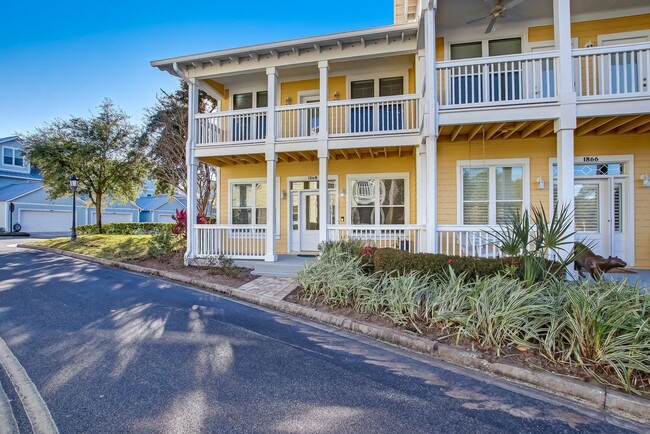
312,178
590,159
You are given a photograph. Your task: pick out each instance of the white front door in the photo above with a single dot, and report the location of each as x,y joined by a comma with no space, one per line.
593,222
309,224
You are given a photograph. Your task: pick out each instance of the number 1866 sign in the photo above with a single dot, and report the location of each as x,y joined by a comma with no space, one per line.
590,159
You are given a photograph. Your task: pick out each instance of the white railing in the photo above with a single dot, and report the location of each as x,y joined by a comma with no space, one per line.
370,116
456,240
236,126
233,241
299,121
499,80
614,71
402,237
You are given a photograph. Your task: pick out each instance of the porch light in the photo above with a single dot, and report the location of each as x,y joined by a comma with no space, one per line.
74,183
287,100
540,183
336,94
646,180
343,192
283,195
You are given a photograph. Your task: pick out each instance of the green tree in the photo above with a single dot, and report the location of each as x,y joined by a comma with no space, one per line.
103,150
165,136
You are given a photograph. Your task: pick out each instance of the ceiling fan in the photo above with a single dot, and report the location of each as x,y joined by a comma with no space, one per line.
497,11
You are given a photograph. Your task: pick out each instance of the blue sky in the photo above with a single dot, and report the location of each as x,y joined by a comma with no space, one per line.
59,59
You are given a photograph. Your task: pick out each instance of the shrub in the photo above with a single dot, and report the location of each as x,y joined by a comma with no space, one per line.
126,228
160,244
401,262
180,229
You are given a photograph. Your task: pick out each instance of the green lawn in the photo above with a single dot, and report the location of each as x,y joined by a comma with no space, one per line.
114,247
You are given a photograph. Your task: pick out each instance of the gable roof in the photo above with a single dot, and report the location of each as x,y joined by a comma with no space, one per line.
9,139
14,191
148,203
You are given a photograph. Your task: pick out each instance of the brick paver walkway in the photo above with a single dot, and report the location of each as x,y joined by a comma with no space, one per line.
274,287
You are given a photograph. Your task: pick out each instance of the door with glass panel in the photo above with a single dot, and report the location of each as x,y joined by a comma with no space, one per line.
592,219
309,221
383,116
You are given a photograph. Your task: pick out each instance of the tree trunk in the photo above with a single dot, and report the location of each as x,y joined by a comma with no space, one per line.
98,213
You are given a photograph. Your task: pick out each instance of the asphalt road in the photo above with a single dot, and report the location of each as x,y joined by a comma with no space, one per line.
114,352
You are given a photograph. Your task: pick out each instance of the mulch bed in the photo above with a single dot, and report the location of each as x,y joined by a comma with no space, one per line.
174,262
512,356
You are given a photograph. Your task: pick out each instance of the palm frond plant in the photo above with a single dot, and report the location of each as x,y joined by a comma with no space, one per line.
544,245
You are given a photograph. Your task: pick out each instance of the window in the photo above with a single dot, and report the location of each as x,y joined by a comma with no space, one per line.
378,200
12,157
490,195
248,203
388,116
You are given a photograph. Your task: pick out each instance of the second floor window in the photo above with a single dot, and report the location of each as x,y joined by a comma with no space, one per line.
13,157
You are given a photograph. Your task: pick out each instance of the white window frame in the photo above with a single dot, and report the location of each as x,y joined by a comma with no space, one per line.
485,45
376,76
13,157
350,179
253,181
491,165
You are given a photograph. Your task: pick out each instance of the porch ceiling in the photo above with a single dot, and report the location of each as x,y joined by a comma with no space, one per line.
303,156
543,128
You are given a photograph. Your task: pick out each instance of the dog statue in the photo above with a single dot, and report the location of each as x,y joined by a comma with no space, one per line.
594,264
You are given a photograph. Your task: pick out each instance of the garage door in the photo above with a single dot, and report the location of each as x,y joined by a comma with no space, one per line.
45,221
166,218
112,217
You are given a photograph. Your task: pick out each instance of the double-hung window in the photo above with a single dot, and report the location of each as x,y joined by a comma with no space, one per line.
248,203
491,194
12,157
378,200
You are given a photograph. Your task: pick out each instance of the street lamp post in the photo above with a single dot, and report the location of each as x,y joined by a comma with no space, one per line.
74,183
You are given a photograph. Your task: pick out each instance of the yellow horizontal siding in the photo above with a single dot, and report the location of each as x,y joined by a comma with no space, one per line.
539,151
588,31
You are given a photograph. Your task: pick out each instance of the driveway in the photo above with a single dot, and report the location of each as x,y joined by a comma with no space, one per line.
111,351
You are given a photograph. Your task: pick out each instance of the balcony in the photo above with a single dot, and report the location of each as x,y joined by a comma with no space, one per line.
302,122
612,72
500,80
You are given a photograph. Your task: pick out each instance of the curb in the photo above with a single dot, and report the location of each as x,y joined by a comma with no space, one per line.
611,402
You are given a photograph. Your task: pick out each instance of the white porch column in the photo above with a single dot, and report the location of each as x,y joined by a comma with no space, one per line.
431,128
192,170
271,162
323,124
565,125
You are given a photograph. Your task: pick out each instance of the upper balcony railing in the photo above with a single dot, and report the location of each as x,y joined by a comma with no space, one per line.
612,72
351,118
237,126
499,80
370,116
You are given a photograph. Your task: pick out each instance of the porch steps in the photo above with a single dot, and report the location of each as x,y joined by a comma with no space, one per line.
285,266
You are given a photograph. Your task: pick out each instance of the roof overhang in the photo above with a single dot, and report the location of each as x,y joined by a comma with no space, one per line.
294,47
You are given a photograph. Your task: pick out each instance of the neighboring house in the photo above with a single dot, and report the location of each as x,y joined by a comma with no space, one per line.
425,133
35,212
159,208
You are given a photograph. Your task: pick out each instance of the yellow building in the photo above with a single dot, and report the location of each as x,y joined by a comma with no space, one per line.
429,131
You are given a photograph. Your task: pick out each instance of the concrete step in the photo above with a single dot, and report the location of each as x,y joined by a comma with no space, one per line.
286,266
